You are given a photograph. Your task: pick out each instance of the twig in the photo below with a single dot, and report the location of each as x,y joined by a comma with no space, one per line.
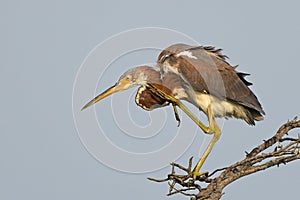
258,159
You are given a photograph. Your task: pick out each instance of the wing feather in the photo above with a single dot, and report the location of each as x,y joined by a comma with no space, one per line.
206,70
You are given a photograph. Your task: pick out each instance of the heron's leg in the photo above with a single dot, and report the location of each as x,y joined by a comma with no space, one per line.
212,129
217,132
177,102
204,128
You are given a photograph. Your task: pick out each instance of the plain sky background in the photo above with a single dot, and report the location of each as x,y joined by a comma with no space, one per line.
43,44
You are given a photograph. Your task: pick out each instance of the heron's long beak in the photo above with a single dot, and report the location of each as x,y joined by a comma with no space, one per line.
101,96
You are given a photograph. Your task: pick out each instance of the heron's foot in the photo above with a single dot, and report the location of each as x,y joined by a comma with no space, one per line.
187,181
199,175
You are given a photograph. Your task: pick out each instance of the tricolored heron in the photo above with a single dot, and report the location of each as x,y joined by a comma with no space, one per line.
200,75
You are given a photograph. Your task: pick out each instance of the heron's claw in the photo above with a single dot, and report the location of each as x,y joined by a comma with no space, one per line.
166,97
176,114
188,181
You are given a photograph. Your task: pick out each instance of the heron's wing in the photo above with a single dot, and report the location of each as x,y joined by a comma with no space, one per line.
237,90
197,65
148,100
207,71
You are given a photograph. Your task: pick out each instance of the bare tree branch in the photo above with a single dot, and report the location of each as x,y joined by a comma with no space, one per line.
259,158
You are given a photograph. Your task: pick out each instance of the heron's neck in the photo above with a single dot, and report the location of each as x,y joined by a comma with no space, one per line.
142,78
146,74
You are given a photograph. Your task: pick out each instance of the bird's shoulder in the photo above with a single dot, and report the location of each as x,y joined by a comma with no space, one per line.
194,54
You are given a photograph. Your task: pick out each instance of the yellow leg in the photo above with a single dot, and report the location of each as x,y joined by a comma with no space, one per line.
212,129
204,128
182,107
217,133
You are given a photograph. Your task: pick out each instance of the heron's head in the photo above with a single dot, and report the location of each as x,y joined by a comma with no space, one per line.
132,77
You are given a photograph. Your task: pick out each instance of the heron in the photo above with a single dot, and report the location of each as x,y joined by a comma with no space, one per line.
199,75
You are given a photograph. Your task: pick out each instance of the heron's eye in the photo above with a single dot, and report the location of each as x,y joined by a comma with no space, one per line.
127,78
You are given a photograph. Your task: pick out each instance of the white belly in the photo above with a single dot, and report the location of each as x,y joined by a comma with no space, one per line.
220,108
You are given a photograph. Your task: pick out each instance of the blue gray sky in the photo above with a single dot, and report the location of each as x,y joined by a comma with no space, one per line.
43,45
